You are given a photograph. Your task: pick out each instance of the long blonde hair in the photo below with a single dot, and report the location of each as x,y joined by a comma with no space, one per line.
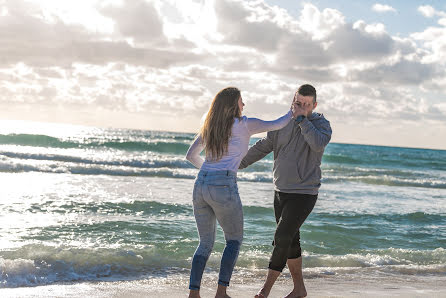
217,127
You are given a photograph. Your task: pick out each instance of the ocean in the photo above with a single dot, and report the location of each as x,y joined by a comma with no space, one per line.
88,204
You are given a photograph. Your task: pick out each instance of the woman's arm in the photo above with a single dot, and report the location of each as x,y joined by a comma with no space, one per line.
193,154
257,126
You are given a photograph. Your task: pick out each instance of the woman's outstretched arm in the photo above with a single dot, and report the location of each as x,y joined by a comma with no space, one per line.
193,153
257,126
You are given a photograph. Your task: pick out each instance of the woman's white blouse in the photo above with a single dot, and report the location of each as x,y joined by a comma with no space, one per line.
238,144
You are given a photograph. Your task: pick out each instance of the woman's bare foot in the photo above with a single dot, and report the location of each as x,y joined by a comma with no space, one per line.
263,293
194,294
221,292
222,296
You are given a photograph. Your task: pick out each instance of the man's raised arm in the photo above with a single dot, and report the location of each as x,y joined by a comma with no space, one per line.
316,137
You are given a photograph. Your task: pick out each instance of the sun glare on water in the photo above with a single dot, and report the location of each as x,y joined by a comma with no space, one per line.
58,130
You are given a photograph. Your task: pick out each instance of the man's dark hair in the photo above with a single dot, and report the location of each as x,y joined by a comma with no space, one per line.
307,90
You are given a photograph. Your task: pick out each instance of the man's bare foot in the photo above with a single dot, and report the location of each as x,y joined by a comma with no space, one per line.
297,293
194,294
262,293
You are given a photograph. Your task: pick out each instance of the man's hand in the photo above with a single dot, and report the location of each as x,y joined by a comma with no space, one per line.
303,105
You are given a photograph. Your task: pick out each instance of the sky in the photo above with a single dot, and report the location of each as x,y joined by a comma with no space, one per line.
379,67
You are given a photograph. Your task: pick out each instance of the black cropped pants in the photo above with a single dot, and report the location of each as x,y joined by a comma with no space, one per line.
290,210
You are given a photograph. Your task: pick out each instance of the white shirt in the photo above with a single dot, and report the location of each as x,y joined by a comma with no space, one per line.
238,144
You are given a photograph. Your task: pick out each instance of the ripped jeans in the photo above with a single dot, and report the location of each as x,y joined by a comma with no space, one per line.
216,197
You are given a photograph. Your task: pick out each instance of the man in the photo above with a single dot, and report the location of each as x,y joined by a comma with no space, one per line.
298,150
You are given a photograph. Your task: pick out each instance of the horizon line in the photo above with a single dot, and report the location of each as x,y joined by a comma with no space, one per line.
185,132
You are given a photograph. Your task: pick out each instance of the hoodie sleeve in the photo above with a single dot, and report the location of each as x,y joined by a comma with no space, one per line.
193,154
317,136
258,151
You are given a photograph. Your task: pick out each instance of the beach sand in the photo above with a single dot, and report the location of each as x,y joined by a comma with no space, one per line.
174,286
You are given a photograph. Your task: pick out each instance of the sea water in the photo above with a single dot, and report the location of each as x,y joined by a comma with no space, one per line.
87,204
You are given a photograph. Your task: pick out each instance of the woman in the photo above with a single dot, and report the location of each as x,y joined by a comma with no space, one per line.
225,139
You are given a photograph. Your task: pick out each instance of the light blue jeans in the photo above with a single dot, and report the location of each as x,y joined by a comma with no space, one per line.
216,197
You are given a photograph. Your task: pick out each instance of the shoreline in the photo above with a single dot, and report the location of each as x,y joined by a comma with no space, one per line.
175,286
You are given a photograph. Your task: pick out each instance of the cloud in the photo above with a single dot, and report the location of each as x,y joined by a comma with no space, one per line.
26,37
433,38
317,39
427,11
162,60
320,24
361,41
245,24
137,19
382,8
403,72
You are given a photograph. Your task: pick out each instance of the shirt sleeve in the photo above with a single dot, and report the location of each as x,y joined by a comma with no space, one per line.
193,153
316,136
255,125
258,151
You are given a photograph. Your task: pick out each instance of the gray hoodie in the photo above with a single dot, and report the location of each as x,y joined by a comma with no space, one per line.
298,150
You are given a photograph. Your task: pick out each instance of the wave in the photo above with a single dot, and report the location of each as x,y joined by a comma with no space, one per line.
36,141
36,264
386,157
427,182
156,154
390,260
343,159
141,162
380,257
162,146
363,221
182,169
145,208
99,170
251,212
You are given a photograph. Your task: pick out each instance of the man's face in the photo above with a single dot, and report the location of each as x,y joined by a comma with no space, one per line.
303,105
299,100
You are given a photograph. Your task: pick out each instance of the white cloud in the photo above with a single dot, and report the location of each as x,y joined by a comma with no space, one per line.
429,12
383,8
3,11
254,25
433,40
165,59
320,24
34,41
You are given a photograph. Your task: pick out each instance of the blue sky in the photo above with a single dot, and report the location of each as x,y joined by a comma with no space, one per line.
404,21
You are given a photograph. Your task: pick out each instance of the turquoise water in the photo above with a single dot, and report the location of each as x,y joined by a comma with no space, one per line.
82,203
